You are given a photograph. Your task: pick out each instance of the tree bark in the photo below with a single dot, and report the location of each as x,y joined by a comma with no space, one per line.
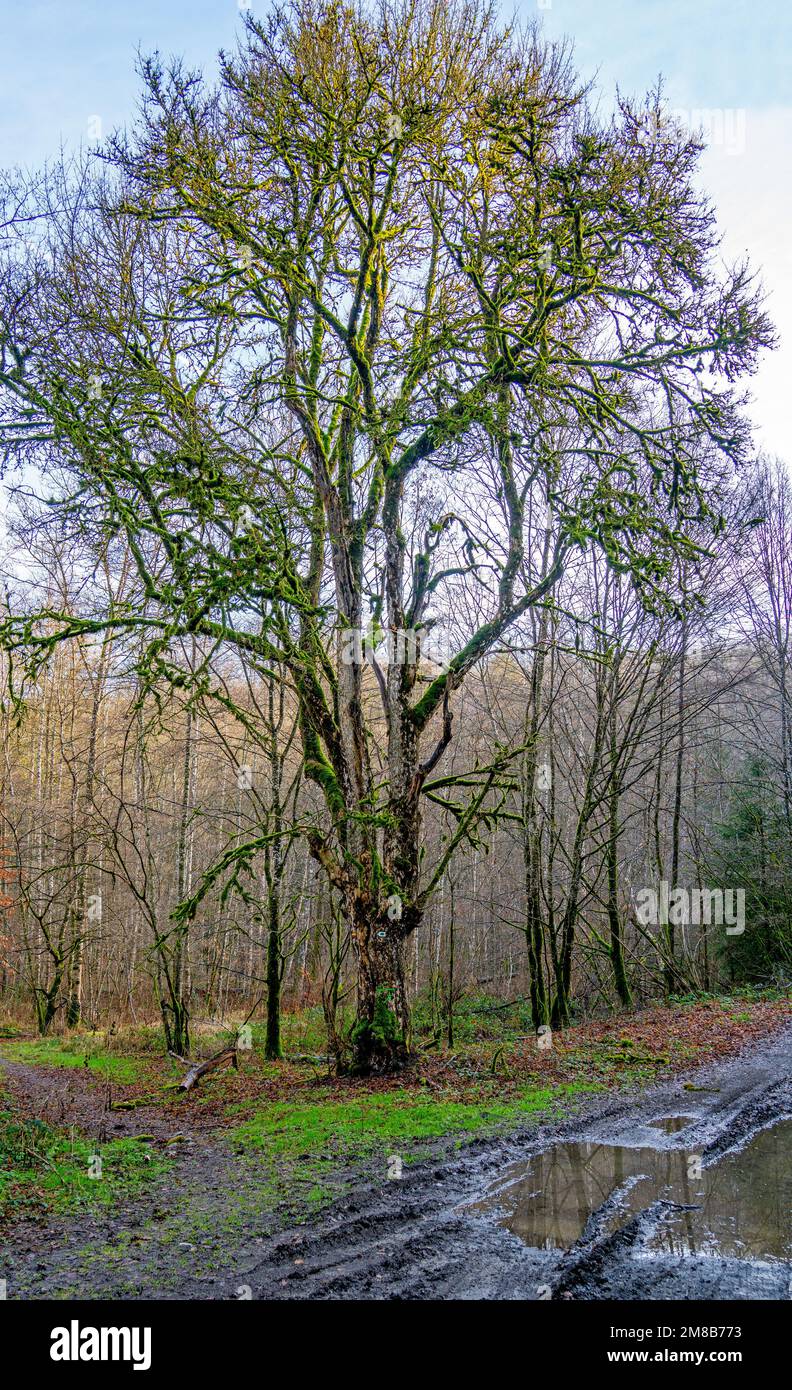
380,1038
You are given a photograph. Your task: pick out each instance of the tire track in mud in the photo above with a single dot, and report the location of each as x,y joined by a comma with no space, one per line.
416,1238
424,1243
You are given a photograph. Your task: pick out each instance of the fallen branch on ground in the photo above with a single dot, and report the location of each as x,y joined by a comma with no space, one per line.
228,1054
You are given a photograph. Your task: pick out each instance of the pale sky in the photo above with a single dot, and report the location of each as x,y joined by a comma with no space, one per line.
67,75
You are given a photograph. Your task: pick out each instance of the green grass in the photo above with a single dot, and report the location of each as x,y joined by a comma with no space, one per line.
76,1051
294,1158
40,1165
306,1154
357,1128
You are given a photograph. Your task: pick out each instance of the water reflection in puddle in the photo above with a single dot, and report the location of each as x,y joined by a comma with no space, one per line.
672,1124
744,1203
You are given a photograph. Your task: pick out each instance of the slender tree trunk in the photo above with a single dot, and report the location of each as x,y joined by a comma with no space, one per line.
671,970
450,1008
274,864
175,975
532,837
612,851
85,806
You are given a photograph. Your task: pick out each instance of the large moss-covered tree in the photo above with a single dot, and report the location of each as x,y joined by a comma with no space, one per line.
329,346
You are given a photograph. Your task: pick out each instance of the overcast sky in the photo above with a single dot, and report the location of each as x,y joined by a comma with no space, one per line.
67,74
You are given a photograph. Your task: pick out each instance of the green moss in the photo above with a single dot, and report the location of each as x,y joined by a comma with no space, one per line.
384,1025
320,771
383,1032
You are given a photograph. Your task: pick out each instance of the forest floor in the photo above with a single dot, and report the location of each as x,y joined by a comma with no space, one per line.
277,1180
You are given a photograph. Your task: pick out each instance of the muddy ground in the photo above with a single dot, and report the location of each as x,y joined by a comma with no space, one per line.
442,1230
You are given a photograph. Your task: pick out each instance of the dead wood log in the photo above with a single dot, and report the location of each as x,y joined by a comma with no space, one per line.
228,1054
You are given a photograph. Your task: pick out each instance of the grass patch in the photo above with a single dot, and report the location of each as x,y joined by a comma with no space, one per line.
76,1051
307,1152
379,1121
44,1167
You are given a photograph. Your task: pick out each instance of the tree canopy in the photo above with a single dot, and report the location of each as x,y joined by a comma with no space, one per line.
372,338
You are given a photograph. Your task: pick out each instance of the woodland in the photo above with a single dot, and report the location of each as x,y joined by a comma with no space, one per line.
392,589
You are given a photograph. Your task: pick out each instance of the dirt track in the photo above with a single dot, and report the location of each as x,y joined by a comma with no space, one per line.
416,1238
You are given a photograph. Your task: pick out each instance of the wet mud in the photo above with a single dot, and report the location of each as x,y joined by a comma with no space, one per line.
684,1192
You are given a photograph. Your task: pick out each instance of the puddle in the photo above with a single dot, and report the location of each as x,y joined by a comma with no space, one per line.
744,1203
672,1124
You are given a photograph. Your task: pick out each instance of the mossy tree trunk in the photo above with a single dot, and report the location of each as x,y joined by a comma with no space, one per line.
380,1038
